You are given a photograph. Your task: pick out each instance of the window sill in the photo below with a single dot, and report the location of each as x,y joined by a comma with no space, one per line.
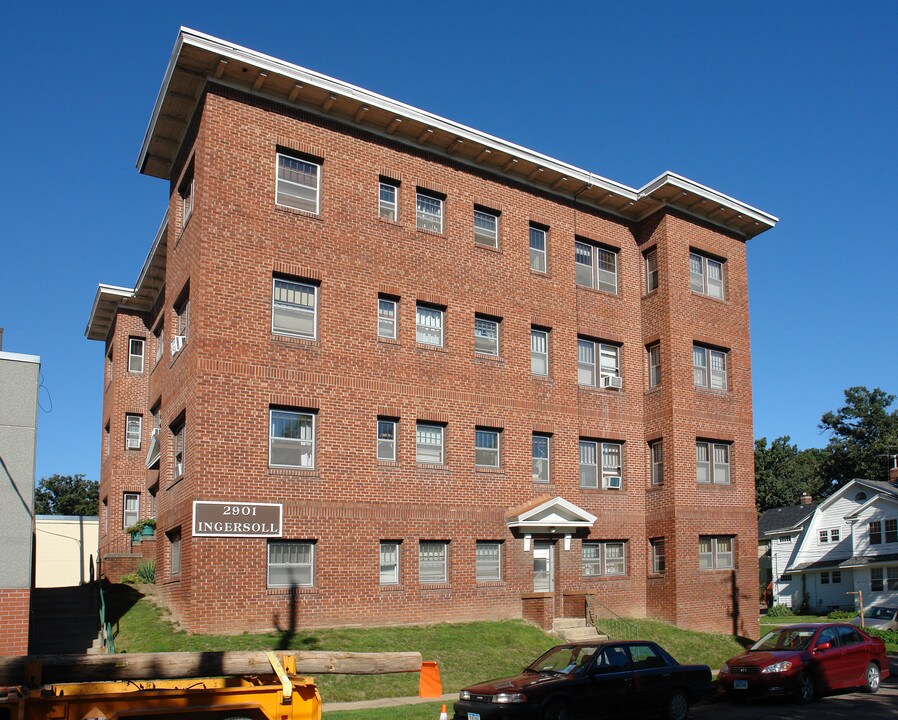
291,590
435,586
387,341
489,359
714,485
654,487
388,221
437,233
542,484
295,340
547,379
590,490
717,570
656,576
722,301
653,390
488,248
174,482
295,472
431,348
606,293
713,392
540,273
172,580
491,583
650,293
392,589
388,463
295,211
432,466
598,390
489,470
605,578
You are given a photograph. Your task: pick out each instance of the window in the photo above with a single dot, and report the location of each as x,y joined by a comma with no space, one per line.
186,193
537,249
596,267
159,341
706,275
486,336
706,471
656,453
291,564
429,326
174,551
291,440
130,509
884,579
105,513
182,324
539,352
388,201
892,530
386,440
298,183
715,552
604,558
178,450
609,362
106,440
658,565
429,213
824,578
486,448
784,539
589,464
540,452
133,426
875,530
654,356
294,308
387,316
429,444
834,535
834,577
433,562
710,367
109,366
389,562
488,561
861,496
651,270
135,355
486,228
824,536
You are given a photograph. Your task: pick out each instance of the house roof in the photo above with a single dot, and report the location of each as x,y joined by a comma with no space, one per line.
825,564
873,501
784,518
868,560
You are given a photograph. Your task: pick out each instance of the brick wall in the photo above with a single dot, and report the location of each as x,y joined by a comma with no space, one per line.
15,607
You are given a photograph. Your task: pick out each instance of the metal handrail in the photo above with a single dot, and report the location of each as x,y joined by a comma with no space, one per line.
106,634
615,627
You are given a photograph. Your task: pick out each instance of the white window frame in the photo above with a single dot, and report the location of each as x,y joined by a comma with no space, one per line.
182,318
130,516
178,434
487,448
701,275
656,458
592,453
537,338
388,209
488,561
386,439
874,532
539,460
286,297
387,318
435,556
138,356
174,551
598,558
708,456
390,558
609,451
437,431
133,431
308,565
538,256
884,579
596,256
651,270
823,536
716,558
159,339
428,212
659,551
427,321
593,356
283,186
486,336
486,228
654,359
710,367
186,194
306,446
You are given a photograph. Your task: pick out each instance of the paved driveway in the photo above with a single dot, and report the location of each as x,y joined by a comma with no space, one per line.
847,706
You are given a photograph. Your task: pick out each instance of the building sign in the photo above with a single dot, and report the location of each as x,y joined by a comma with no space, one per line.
236,519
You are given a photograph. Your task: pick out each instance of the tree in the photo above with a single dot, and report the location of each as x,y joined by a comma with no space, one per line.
863,433
66,495
783,473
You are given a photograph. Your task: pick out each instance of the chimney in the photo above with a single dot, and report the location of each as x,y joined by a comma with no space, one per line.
805,499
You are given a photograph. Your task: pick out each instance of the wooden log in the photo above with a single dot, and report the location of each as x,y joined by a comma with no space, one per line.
174,665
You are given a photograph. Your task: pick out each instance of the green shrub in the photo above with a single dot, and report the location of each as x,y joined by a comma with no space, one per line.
130,579
146,571
140,525
842,615
780,610
888,636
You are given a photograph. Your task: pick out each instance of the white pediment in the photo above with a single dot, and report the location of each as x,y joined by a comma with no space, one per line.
551,516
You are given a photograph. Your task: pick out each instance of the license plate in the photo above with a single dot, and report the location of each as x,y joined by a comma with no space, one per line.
740,684
473,716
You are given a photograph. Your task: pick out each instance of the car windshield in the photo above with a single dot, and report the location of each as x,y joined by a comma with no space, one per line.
785,639
880,613
563,659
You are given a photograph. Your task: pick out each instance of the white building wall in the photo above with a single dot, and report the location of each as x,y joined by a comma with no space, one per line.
65,548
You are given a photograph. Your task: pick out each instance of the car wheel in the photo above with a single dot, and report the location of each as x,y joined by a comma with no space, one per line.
556,710
871,679
677,706
806,689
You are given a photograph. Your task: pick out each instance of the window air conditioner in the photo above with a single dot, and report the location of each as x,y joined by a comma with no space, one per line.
177,344
614,482
133,444
612,381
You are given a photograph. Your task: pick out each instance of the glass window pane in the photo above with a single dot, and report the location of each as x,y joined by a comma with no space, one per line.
486,229
429,444
488,561
429,214
584,264
586,362
486,336
297,184
696,273
540,453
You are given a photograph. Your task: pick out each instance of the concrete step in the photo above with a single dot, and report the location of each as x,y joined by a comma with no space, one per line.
565,623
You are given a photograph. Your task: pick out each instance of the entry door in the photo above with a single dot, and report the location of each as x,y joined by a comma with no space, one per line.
543,566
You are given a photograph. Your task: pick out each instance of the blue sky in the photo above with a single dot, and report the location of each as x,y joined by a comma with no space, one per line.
790,107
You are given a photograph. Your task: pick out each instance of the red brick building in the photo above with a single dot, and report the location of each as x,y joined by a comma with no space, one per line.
473,381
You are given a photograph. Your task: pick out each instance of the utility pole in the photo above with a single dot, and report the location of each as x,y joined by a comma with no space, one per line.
860,602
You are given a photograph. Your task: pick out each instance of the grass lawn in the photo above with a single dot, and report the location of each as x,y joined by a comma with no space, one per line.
423,711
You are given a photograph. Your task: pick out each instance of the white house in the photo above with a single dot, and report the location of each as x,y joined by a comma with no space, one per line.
848,544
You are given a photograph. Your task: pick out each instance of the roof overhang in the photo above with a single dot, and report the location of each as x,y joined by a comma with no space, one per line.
110,298
554,515
198,59
875,500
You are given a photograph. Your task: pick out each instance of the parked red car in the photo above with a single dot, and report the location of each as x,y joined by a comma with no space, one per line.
806,661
